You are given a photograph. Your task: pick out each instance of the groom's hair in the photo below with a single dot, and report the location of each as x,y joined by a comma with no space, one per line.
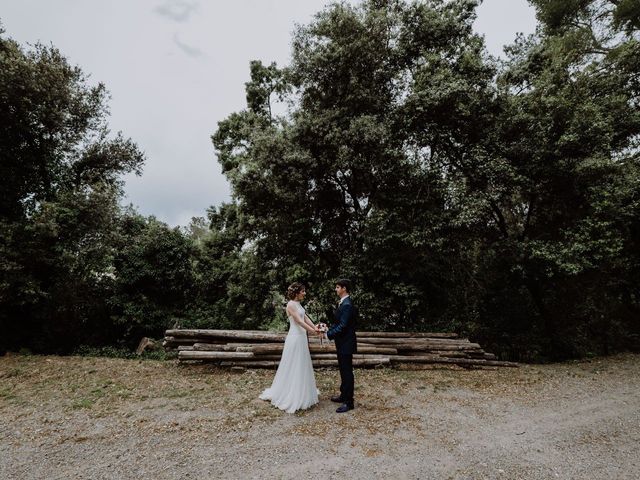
346,283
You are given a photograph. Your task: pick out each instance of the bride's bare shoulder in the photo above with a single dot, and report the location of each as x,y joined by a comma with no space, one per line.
293,306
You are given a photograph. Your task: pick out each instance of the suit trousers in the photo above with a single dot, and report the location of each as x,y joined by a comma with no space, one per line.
345,364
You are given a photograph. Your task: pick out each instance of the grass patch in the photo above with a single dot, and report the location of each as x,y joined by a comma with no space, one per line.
98,392
441,386
14,372
121,352
176,393
82,403
123,394
6,393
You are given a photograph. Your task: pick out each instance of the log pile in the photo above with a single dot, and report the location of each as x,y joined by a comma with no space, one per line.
258,349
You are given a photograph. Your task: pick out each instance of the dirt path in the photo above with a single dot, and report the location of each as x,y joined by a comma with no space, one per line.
101,418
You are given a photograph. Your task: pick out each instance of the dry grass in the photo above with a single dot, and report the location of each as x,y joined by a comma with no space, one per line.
77,409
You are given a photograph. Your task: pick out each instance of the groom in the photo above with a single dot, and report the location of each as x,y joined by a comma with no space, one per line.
343,332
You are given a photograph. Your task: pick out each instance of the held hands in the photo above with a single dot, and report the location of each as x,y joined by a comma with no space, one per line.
321,330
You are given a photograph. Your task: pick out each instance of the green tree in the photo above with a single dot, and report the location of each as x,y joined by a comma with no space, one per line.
344,185
232,285
568,134
499,199
59,198
152,278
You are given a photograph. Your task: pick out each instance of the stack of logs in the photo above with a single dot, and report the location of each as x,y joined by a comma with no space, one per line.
259,349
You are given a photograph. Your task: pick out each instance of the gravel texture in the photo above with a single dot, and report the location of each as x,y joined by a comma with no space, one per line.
103,418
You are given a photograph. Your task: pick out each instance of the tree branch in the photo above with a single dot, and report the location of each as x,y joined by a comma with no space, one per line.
502,224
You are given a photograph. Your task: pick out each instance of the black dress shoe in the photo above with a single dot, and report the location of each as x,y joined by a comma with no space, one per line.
337,399
345,407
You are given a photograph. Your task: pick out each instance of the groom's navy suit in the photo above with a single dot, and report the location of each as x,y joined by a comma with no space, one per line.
343,331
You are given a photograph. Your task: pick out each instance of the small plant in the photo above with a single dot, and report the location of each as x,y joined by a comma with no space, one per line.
122,352
6,393
14,372
107,351
82,403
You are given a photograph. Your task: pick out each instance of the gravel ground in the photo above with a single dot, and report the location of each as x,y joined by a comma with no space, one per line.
103,418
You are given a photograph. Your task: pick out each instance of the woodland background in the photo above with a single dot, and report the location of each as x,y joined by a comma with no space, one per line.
497,199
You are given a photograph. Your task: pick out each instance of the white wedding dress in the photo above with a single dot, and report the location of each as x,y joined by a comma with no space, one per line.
294,386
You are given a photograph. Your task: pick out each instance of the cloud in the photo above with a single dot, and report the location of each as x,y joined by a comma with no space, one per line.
177,10
188,49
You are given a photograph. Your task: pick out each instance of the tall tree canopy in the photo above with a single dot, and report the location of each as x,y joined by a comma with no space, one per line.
62,230
497,198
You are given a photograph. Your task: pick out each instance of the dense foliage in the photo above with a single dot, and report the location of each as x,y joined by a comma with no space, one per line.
75,268
499,199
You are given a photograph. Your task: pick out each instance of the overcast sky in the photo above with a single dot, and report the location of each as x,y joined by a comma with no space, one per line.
175,68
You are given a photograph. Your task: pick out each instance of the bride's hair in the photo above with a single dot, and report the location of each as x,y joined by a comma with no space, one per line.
294,289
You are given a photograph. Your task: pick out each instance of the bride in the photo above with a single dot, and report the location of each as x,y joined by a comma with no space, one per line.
294,386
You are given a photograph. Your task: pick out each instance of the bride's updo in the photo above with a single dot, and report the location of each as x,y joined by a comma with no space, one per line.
294,289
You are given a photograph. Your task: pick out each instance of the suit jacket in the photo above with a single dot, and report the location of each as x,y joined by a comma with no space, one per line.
343,330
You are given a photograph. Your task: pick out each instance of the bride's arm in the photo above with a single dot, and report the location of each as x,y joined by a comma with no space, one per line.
291,310
309,322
